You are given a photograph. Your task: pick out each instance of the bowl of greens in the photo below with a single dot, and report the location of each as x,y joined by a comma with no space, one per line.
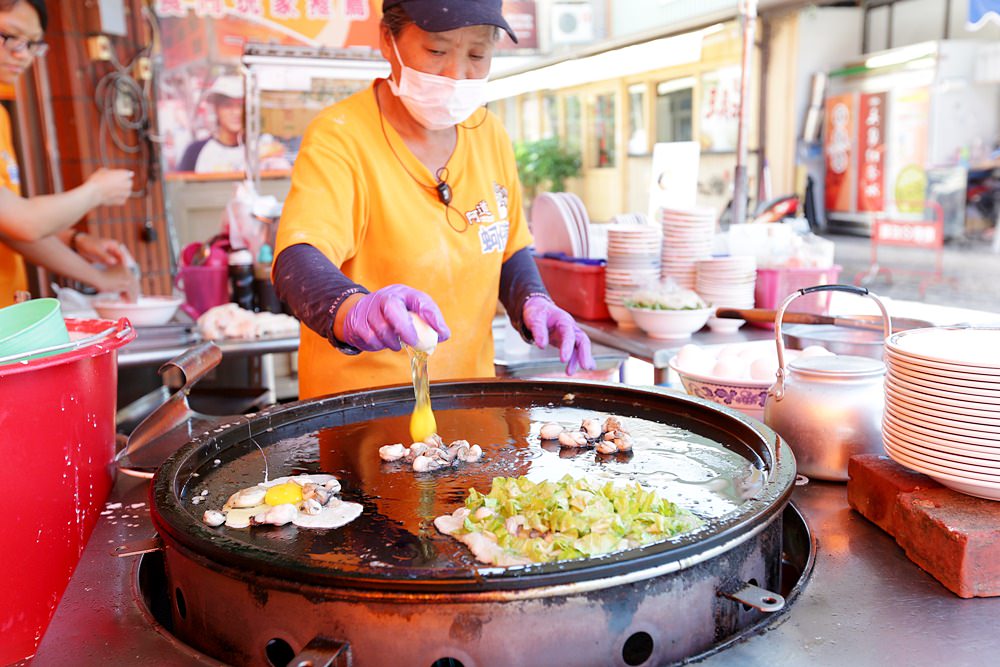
668,314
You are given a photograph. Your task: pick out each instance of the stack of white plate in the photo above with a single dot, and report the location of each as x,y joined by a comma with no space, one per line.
687,238
942,408
633,263
726,282
560,224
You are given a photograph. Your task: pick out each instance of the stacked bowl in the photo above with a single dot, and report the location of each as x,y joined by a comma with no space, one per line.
942,411
633,263
687,238
726,282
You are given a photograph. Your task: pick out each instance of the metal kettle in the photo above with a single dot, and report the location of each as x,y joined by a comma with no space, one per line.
827,408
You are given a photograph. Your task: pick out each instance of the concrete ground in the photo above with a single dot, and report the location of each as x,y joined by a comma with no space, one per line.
970,275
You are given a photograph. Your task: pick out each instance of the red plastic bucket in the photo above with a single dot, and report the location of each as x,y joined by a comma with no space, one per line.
57,447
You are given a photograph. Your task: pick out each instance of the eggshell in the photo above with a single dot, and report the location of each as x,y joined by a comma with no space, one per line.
729,351
764,368
427,338
732,368
694,359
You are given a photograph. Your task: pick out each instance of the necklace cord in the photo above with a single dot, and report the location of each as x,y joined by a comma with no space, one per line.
442,189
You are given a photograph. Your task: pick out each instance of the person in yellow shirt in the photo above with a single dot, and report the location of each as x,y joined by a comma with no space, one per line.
31,226
405,199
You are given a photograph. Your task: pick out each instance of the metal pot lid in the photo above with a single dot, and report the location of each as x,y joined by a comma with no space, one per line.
840,366
731,470
810,334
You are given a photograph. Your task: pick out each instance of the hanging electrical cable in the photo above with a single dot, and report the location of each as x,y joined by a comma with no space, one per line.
125,107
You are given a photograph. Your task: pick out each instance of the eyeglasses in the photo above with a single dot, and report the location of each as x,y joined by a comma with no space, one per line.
18,44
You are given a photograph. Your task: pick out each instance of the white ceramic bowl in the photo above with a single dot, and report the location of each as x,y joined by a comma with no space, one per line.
148,311
670,324
621,316
747,396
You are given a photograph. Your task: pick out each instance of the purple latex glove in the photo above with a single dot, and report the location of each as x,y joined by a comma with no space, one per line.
546,321
382,319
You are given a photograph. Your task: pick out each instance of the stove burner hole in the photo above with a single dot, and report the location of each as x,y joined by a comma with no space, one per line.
638,649
447,662
279,653
181,604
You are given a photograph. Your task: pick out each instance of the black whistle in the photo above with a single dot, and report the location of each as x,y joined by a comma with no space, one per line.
444,192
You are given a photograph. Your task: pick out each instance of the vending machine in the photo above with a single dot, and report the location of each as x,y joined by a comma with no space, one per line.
900,128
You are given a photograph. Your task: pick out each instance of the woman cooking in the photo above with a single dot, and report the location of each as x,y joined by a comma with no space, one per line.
405,199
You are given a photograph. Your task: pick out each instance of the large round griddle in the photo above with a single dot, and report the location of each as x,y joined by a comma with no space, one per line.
393,545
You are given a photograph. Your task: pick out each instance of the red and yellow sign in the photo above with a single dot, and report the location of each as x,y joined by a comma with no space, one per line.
218,29
871,152
839,151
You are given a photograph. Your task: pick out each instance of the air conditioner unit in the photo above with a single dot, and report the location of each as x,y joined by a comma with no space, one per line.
572,23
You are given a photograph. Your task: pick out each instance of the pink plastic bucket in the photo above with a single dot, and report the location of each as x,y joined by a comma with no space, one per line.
773,285
57,417
204,287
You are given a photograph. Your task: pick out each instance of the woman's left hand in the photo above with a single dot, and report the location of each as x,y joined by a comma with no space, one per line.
96,249
548,322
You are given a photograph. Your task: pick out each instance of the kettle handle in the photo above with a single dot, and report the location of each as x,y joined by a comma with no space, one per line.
778,389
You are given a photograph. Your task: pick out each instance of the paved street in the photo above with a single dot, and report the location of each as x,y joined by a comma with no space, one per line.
971,272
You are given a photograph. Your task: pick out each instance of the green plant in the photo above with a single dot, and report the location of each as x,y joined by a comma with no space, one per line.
546,161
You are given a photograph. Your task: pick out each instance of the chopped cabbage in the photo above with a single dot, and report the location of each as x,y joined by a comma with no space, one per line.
572,518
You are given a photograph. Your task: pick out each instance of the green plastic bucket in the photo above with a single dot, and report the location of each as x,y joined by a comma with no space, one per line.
31,325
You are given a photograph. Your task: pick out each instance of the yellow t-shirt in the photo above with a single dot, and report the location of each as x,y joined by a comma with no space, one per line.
353,200
12,274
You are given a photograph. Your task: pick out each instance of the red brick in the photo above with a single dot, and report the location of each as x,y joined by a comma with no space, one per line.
954,537
874,484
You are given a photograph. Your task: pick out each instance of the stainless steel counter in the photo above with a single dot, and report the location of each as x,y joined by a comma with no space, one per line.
866,604
658,352
156,351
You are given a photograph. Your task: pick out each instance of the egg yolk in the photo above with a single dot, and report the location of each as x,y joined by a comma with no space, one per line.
422,423
282,494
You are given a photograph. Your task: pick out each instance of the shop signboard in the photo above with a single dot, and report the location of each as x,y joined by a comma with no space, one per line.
907,155
982,12
523,19
719,111
839,144
674,178
871,152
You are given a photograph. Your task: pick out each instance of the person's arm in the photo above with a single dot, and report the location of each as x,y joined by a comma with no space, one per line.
519,280
537,317
55,256
190,157
31,219
345,313
96,249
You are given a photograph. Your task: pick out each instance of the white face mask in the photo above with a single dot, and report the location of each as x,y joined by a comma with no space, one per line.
437,102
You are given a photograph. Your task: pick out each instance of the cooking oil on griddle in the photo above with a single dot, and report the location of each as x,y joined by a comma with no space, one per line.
395,535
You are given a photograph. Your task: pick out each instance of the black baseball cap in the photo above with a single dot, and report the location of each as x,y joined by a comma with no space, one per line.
442,15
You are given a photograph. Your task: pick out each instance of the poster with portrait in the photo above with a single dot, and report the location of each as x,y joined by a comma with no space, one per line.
200,88
202,43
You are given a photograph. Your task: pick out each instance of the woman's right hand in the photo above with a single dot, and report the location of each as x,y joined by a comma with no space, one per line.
112,187
381,320
121,280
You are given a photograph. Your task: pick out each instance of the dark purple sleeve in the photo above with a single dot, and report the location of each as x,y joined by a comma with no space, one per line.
519,279
314,289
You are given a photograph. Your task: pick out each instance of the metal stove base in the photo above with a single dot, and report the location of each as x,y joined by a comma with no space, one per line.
864,601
